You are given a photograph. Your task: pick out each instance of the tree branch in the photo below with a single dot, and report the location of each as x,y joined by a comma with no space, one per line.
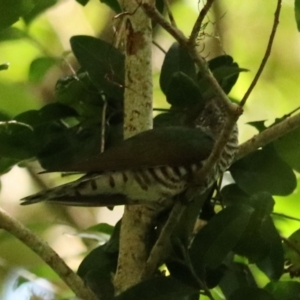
47,254
197,26
137,220
267,53
158,250
269,135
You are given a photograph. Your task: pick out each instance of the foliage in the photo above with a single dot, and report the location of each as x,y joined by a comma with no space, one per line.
240,232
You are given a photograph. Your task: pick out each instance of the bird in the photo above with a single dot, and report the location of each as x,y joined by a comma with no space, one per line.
149,167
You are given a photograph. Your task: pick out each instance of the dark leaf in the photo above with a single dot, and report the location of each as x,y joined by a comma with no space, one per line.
260,242
264,170
182,91
6,164
113,4
102,227
232,194
297,13
98,260
251,293
4,67
213,242
288,148
17,141
82,2
291,252
103,62
65,147
236,276
225,71
11,11
39,8
259,125
79,93
160,288
284,290
100,282
272,264
176,60
39,67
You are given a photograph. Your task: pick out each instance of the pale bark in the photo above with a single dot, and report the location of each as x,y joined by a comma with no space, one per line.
138,117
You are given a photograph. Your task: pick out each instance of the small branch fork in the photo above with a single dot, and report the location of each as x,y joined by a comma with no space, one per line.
47,254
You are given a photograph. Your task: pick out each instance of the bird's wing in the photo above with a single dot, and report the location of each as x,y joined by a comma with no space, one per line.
171,146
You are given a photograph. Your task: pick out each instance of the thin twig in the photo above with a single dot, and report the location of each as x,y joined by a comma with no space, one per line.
47,254
206,74
267,53
159,47
160,246
103,122
267,136
197,26
170,14
285,216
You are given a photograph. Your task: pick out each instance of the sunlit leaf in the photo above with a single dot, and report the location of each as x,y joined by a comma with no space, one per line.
39,8
39,67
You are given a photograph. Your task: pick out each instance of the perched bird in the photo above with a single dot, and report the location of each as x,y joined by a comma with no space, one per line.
151,166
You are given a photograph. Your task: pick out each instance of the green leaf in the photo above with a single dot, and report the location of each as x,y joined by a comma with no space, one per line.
264,170
11,33
6,164
102,227
291,252
261,242
176,60
213,243
225,70
98,259
80,93
251,293
82,2
12,10
160,288
288,148
17,141
103,62
297,13
237,275
273,263
232,194
4,67
39,67
113,4
182,91
39,8
284,290
259,125
48,113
